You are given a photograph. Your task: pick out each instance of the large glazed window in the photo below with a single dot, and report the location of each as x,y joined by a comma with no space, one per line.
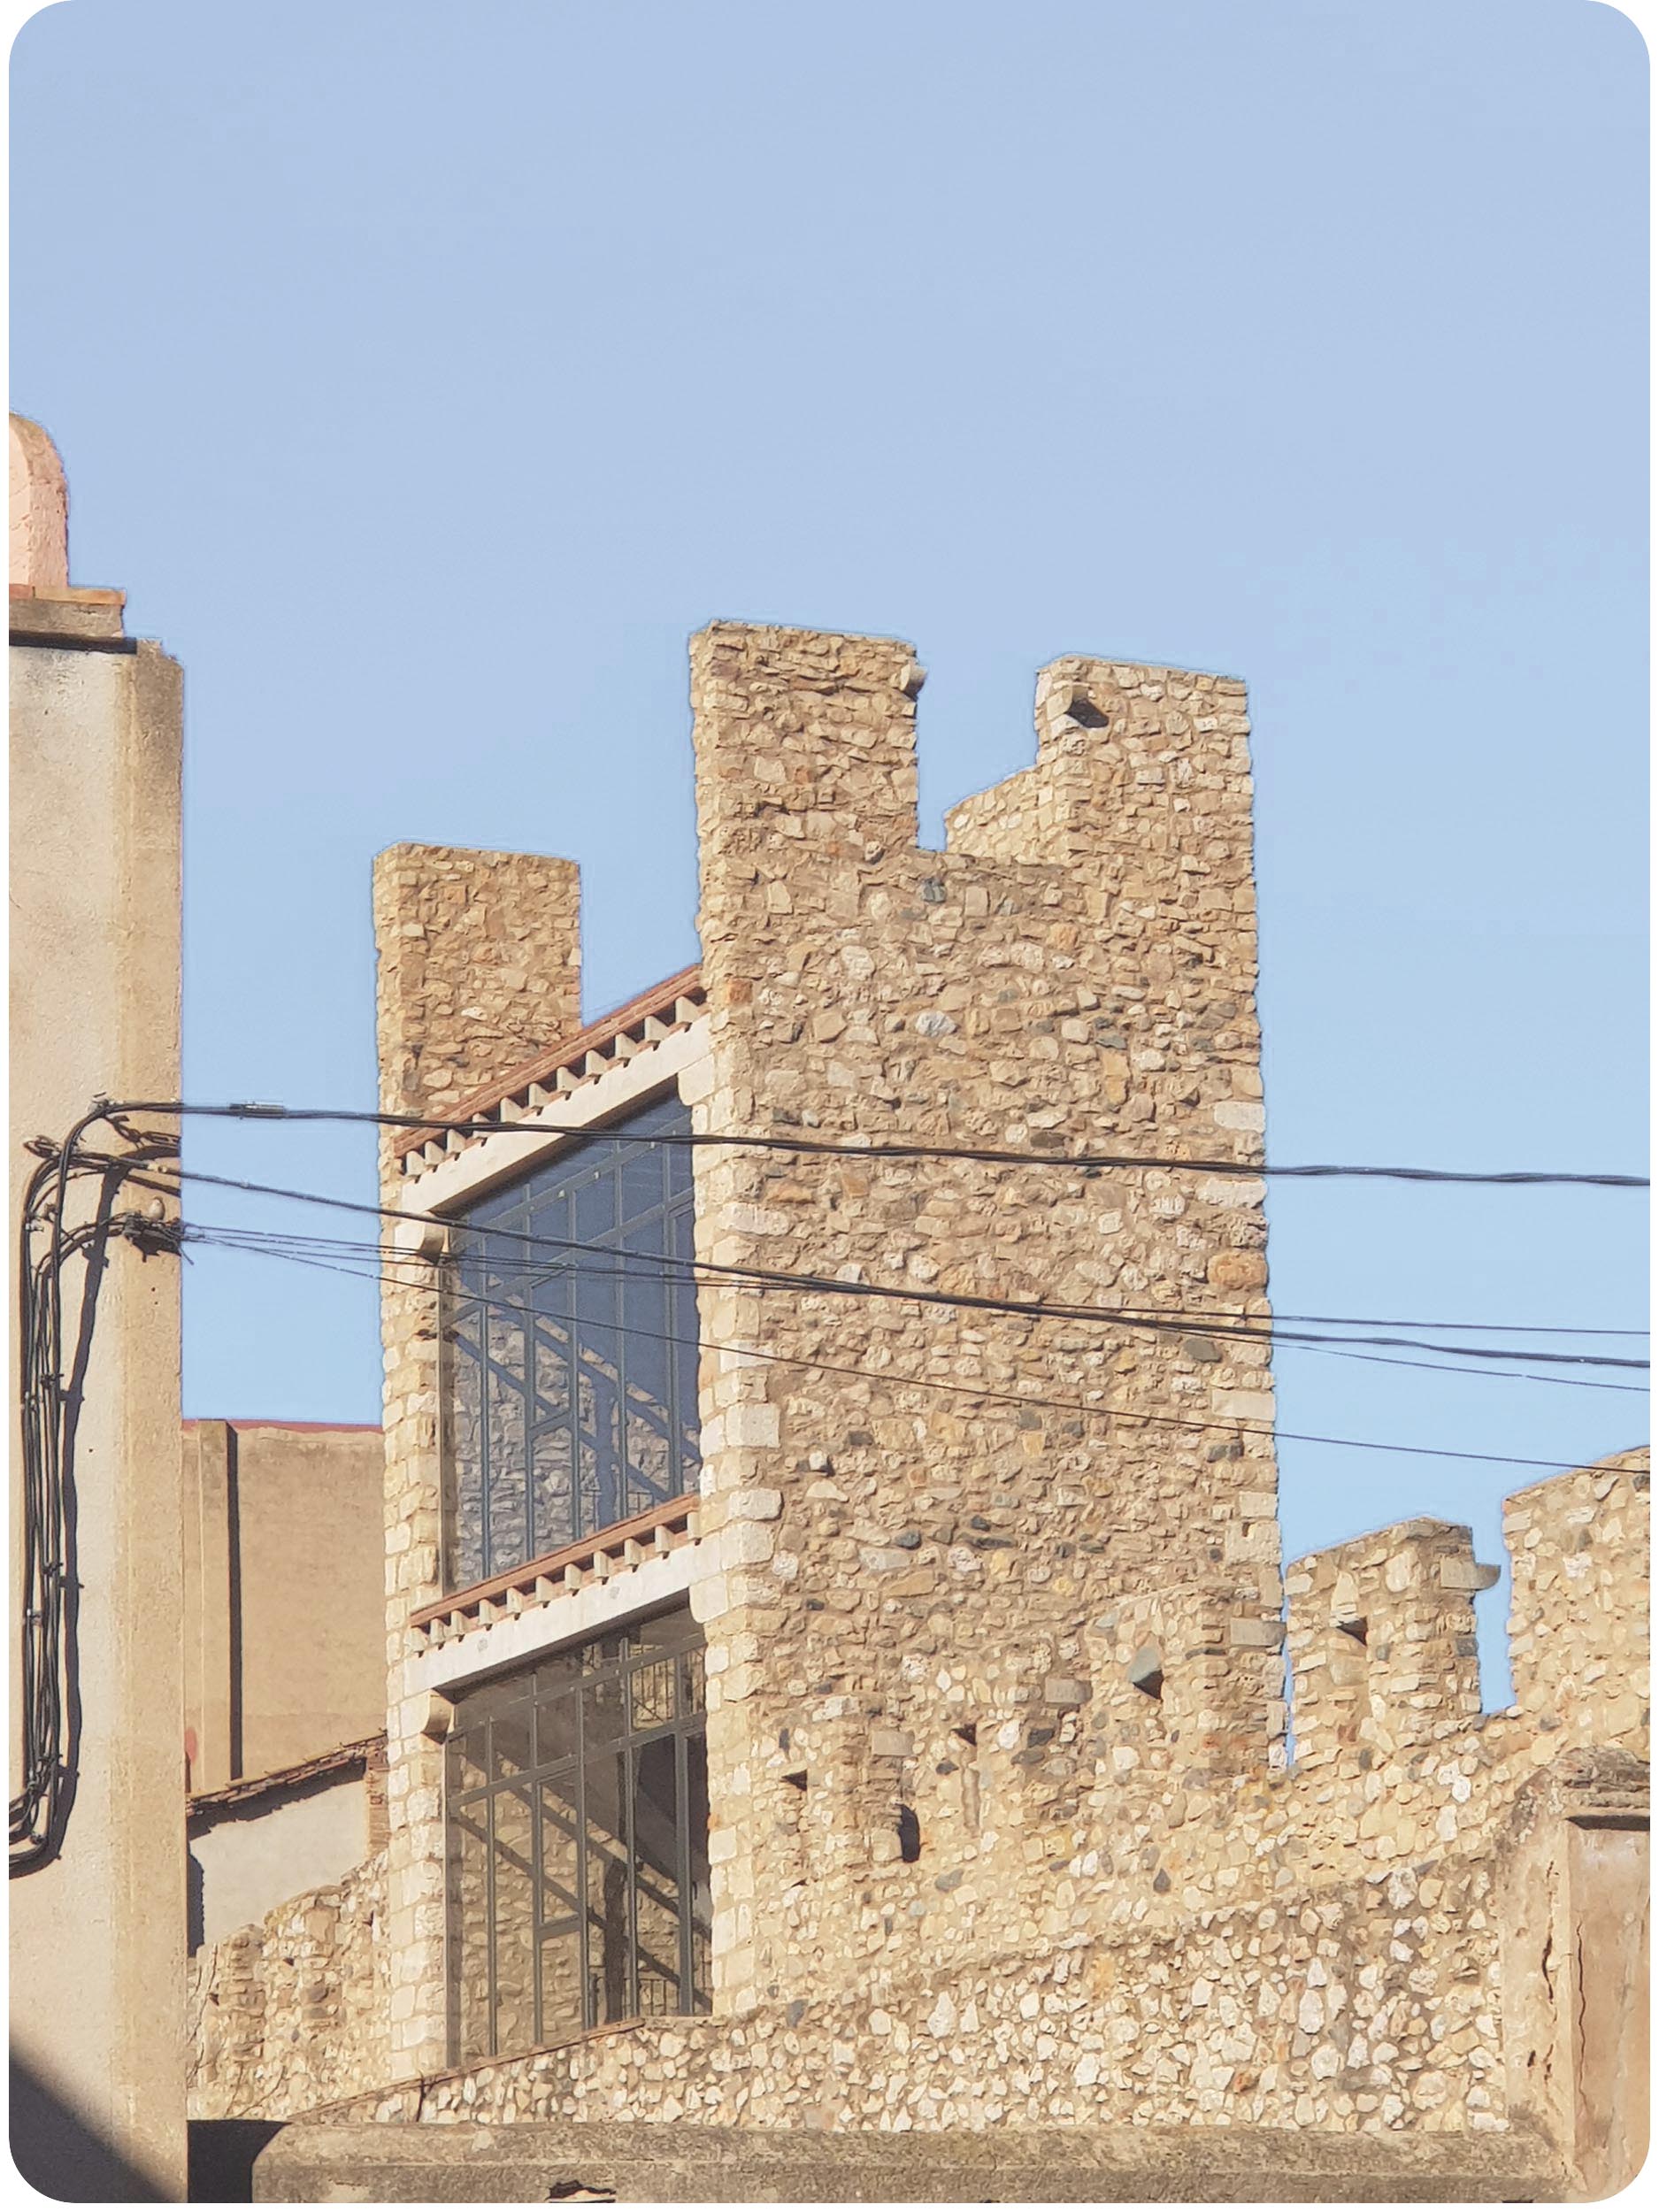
577,1810
570,1391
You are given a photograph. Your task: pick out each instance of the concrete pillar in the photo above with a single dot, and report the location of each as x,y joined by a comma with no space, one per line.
97,1936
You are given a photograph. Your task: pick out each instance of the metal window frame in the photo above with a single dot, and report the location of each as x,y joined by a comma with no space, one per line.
508,1208
617,1656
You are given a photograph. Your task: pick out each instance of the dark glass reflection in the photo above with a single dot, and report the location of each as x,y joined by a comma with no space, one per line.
578,1811
571,1386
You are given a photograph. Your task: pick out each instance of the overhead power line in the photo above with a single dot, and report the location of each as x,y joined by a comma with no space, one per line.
829,1286
1197,1319
1008,1397
286,1245
881,1149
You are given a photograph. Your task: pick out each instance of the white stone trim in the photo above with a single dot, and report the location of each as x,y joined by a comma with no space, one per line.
489,1160
566,1620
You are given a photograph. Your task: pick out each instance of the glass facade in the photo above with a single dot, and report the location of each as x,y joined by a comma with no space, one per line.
570,1375
578,1861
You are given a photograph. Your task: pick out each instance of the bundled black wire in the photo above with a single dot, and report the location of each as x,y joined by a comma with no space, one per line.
47,1244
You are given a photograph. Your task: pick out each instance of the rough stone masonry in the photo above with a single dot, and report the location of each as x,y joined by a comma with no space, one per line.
1002,1829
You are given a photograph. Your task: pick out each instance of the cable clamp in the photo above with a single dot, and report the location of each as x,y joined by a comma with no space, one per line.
148,1235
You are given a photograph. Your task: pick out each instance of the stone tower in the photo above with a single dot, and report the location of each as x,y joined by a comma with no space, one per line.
922,1508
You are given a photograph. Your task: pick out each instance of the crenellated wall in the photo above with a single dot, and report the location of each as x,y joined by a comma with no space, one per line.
1076,968
1578,1617
479,967
1339,1945
1004,1828
1382,1644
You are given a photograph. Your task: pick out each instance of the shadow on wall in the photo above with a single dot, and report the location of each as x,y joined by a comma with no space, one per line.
222,2152
57,2153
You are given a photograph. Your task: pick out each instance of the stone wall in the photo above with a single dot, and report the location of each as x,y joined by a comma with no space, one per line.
293,2012
914,1541
1375,2006
1360,1943
1578,1621
1003,1829
478,969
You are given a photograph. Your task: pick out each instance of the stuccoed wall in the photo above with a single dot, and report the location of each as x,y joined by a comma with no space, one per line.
97,1932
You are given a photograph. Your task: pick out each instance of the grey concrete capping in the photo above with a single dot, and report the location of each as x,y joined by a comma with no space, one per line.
633,2161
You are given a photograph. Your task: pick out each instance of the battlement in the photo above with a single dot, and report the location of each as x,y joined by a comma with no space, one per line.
1579,1617
1001,1819
1130,761
1188,1683
1381,1638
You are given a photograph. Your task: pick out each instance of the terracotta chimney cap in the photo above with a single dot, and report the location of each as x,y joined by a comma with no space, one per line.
40,510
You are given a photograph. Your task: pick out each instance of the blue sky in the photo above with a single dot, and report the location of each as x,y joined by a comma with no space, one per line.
427,375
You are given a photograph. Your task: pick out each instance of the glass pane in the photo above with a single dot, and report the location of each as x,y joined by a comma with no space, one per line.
561,1911
571,1384
467,1754
469,1928
609,1918
562,1985
595,1201
604,1712
555,1723
657,1846
466,1447
590,1901
643,1187
506,1525
509,1733
514,1920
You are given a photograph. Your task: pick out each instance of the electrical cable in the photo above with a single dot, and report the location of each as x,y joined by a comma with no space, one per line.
1074,1406
49,1699
831,1285
286,1244
990,1156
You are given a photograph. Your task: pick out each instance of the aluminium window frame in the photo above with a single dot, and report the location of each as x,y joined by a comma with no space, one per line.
682,1353
687,1724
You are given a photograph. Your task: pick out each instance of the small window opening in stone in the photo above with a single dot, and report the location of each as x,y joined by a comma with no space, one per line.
910,1836
1356,1629
968,1736
1146,1670
797,1781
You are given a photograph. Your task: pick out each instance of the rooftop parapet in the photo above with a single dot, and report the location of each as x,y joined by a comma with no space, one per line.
479,967
1578,1618
1382,1644
1187,1682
